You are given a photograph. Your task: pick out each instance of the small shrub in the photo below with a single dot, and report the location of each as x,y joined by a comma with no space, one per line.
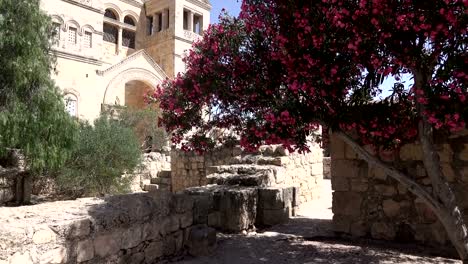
103,154
144,123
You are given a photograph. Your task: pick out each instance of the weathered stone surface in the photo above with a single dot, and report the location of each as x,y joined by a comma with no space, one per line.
347,203
341,223
381,230
84,250
202,241
271,217
154,251
340,184
411,152
391,208
57,255
131,237
270,198
44,236
106,245
19,258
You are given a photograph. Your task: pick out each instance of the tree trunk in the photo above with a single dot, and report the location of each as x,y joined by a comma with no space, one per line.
448,214
453,221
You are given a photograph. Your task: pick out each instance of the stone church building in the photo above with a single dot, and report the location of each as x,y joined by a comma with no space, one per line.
110,52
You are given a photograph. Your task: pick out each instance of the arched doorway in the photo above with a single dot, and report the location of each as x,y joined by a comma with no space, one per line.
135,92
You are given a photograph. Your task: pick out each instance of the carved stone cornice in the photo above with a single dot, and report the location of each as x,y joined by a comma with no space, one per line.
79,58
130,58
205,4
136,3
84,4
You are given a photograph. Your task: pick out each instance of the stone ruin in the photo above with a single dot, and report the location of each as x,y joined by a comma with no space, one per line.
232,192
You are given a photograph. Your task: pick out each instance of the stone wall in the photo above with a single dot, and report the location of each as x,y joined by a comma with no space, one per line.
189,169
366,202
327,168
293,169
136,228
7,186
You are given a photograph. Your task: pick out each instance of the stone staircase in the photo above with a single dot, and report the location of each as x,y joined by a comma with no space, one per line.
161,182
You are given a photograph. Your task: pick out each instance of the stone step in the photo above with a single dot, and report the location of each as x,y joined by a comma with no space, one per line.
164,181
150,187
165,174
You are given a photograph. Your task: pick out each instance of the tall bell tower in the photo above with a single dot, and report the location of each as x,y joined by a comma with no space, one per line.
169,27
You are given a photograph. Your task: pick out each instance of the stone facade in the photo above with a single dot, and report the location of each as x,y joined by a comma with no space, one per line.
111,52
366,202
137,228
290,169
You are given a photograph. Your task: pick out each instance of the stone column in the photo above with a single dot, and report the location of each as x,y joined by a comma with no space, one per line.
119,40
190,21
155,24
165,19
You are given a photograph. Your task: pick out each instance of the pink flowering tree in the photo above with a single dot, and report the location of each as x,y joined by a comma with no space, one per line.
283,68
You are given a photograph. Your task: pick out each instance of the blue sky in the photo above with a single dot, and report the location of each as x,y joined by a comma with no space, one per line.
232,6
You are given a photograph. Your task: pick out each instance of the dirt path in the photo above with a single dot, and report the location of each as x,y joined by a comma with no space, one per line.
308,239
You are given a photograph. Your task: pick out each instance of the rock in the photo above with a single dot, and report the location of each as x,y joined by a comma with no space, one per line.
154,251
391,208
84,250
347,203
19,258
105,245
44,236
55,256
202,241
131,237
381,230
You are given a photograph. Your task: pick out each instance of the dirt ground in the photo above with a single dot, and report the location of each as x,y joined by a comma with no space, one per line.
307,239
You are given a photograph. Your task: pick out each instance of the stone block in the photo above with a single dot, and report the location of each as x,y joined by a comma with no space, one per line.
169,224
21,258
131,237
377,173
183,203
214,219
179,240
154,251
273,217
57,255
341,224
391,208
105,245
79,228
446,153
340,184
347,204
186,219
337,148
84,250
382,230
44,236
357,185
385,190
238,207
201,241
448,172
151,231
345,168
349,153
358,229
411,152
169,245
270,198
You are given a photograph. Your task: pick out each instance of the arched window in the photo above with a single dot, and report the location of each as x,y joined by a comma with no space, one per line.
128,38
129,21
111,14
111,33
71,104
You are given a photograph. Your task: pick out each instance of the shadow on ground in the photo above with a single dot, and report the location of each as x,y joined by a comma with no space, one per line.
305,240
